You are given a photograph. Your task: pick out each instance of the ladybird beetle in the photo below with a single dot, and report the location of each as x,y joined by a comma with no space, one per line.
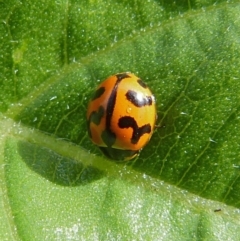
121,116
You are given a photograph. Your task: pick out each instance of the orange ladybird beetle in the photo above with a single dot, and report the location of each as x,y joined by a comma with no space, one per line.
121,116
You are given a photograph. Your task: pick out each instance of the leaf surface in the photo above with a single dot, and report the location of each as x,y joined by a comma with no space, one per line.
55,184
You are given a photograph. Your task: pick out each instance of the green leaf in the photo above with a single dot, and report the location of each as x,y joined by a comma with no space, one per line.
55,184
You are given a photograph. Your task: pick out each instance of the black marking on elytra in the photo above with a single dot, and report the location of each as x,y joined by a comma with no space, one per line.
138,100
128,121
122,76
108,136
98,93
142,83
95,117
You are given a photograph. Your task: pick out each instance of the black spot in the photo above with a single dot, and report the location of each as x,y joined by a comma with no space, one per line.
98,93
142,83
96,116
108,137
128,121
138,100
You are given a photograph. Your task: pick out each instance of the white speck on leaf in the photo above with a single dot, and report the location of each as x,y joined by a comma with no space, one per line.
53,98
210,139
